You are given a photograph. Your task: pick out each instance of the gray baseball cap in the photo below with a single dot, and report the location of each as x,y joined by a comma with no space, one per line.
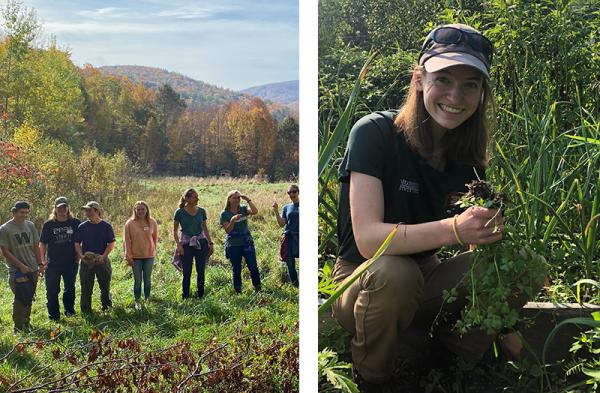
91,205
61,201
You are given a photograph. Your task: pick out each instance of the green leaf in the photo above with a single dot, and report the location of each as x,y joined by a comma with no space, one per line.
592,372
359,271
584,139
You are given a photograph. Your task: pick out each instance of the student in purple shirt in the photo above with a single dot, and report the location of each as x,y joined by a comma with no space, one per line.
94,241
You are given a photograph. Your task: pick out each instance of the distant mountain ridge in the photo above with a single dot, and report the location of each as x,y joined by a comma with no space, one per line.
198,93
282,92
194,92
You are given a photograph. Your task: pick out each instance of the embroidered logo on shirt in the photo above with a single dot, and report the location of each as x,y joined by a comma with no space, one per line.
408,186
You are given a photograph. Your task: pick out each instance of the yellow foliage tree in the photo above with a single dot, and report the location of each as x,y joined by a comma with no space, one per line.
253,131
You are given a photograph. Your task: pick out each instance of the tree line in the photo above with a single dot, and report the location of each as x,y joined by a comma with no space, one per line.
41,88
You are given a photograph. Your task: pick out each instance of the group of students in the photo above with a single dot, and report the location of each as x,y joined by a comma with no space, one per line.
66,245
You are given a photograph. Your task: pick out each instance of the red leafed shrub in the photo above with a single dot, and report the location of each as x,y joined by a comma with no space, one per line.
256,362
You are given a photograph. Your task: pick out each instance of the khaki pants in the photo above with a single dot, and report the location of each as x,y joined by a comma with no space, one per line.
21,313
397,292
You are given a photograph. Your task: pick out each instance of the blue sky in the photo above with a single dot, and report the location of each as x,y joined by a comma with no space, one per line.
229,43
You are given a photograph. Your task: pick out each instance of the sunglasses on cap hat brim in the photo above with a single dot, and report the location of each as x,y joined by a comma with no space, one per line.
447,39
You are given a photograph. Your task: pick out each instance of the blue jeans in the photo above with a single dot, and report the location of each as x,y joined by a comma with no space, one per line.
142,271
52,277
189,255
235,254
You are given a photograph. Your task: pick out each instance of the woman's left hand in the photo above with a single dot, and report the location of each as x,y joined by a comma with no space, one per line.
245,197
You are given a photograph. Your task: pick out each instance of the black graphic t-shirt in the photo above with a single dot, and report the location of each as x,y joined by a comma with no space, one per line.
59,237
413,191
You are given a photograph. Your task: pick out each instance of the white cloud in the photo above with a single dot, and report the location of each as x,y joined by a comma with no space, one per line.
108,12
118,27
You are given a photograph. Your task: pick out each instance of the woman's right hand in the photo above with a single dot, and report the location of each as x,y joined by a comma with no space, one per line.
480,225
180,249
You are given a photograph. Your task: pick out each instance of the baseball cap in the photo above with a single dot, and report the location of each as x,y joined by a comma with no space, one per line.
456,44
61,201
91,205
20,205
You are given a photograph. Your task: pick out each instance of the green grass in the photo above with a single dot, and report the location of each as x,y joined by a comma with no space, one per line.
221,318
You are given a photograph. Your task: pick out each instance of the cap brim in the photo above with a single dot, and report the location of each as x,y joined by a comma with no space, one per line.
449,59
62,204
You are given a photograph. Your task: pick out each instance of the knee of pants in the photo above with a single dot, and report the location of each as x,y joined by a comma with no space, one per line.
395,276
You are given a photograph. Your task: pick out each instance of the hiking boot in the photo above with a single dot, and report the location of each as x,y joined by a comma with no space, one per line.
370,387
138,306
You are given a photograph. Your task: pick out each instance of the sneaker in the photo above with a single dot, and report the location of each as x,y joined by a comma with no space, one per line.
138,306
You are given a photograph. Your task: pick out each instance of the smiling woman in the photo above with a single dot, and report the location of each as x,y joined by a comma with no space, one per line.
405,167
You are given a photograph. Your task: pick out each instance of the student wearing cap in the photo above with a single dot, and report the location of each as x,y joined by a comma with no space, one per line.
139,239
57,247
94,241
19,244
402,167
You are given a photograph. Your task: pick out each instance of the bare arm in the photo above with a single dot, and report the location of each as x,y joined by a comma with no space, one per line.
176,237
13,260
210,242
43,249
280,220
367,214
109,248
38,257
78,250
253,209
229,225
205,229
176,231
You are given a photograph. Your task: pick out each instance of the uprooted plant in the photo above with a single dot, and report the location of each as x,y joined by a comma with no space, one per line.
500,273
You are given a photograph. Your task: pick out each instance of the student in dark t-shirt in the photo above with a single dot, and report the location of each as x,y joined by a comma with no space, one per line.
404,167
57,247
94,241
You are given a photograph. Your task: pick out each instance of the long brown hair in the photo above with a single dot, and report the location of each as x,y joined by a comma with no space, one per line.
466,144
186,194
146,217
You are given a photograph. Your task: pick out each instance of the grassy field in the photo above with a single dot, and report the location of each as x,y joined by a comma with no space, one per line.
223,342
